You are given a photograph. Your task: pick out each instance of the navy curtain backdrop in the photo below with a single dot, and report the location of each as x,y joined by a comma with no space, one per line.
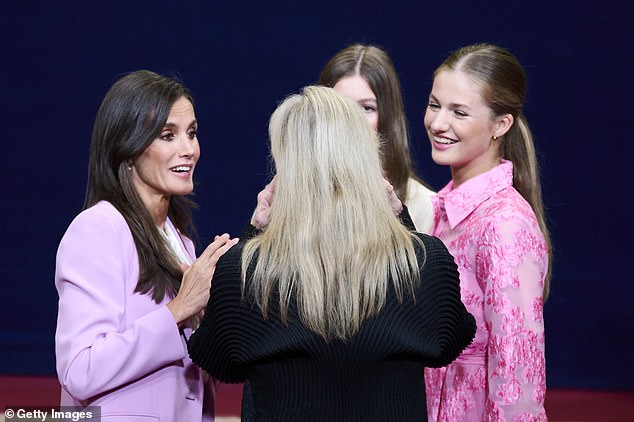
240,58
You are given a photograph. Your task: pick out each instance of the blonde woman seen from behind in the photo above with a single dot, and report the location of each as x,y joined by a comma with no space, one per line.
333,308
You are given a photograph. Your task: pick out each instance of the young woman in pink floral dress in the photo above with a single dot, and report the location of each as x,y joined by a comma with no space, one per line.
491,218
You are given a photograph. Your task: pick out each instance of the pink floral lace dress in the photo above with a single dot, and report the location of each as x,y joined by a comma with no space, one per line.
502,258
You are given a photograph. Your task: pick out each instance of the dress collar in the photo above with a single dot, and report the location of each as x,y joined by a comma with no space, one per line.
463,200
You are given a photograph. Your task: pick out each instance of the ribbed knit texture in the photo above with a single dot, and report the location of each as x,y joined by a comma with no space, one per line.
294,375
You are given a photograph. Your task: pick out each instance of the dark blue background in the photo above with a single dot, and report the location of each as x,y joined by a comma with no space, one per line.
241,57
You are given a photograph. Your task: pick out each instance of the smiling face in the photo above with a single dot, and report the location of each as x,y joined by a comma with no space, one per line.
166,166
461,126
357,89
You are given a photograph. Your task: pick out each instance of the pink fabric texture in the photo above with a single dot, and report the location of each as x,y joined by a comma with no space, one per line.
115,348
502,258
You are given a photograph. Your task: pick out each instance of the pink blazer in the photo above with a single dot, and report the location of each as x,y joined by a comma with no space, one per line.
115,348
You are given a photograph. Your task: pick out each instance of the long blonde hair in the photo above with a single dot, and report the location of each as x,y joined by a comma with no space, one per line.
503,86
375,66
333,240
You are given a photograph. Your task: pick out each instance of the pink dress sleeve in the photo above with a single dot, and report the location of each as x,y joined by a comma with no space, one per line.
511,265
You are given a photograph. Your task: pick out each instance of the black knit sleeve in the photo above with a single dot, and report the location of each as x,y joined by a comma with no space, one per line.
406,219
249,231
218,346
448,325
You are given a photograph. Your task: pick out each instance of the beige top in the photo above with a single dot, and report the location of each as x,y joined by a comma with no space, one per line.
419,206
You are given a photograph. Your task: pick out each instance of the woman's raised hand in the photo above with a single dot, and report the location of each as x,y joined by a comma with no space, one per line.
193,294
262,213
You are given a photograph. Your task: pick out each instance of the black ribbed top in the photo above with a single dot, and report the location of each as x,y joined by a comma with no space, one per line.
294,375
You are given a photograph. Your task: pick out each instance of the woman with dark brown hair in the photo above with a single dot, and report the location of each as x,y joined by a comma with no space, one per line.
130,287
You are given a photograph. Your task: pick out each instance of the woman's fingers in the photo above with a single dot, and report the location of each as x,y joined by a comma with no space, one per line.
395,203
262,211
194,290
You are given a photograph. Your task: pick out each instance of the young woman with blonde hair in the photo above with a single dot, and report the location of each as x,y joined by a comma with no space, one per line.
331,311
491,218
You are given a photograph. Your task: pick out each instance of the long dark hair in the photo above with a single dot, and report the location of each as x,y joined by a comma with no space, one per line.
374,65
502,81
131,116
